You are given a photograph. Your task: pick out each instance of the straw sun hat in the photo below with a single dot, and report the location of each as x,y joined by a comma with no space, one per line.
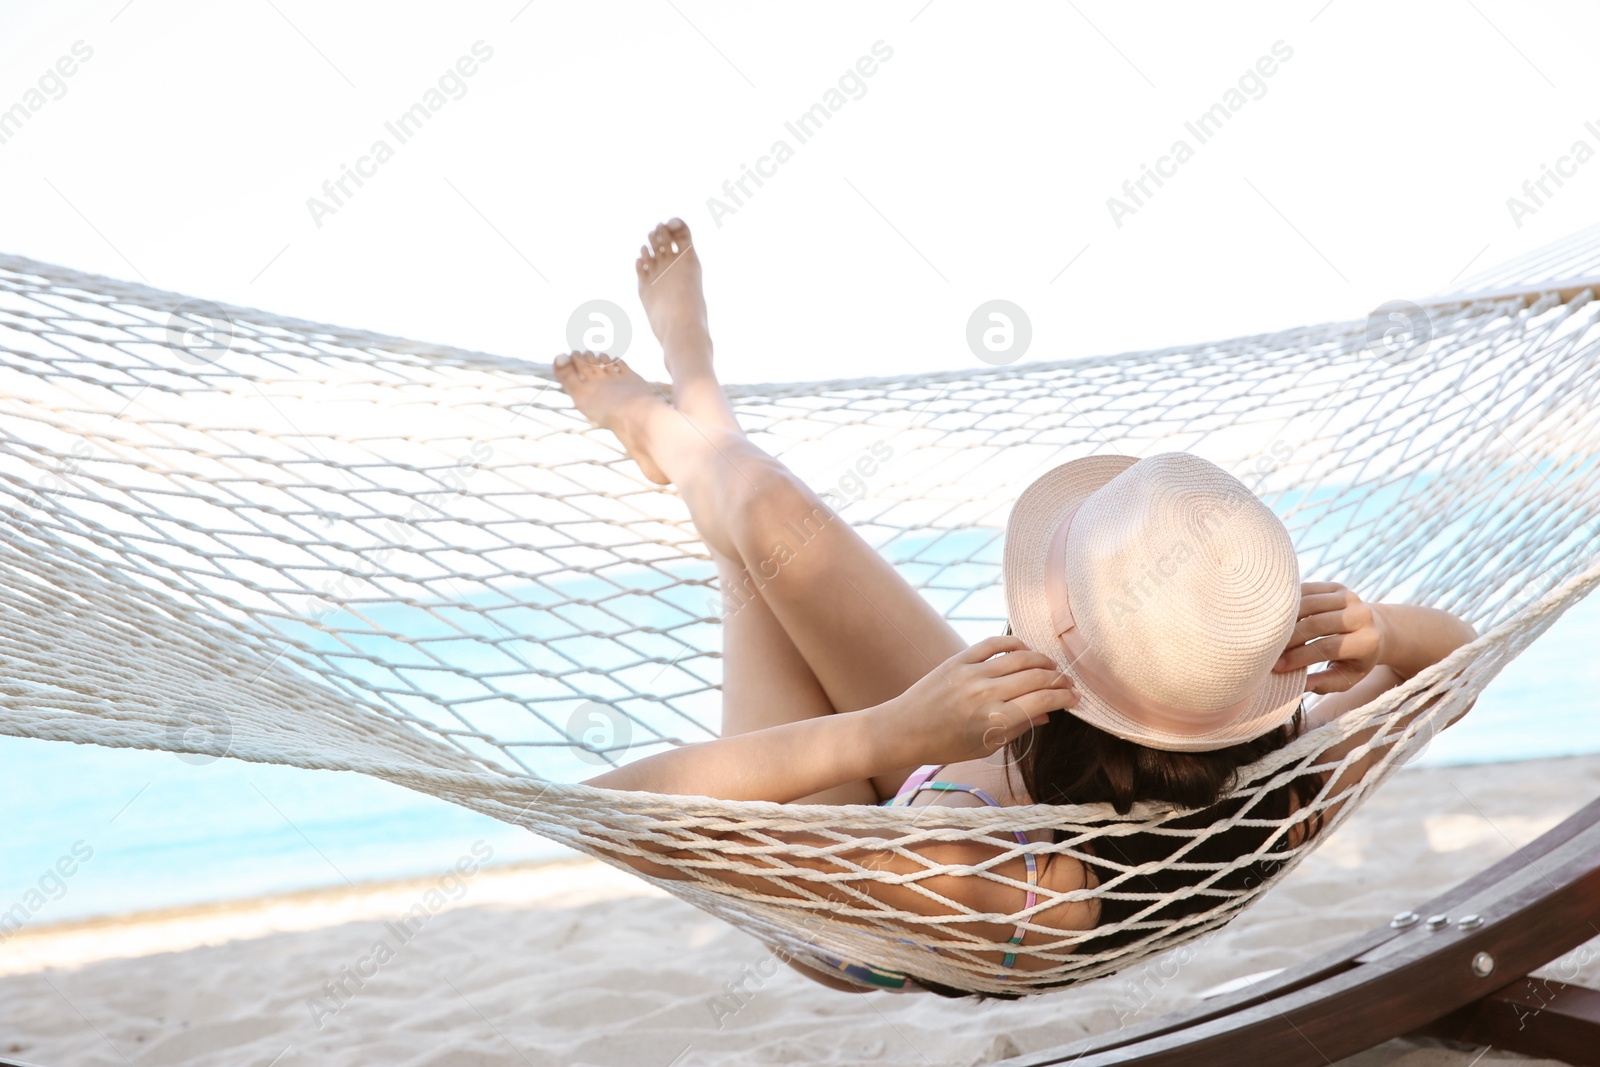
1166,589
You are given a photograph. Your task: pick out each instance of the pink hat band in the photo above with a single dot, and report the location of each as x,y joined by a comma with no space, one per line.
1151,714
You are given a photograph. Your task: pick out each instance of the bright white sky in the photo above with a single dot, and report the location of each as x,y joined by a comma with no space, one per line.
976,165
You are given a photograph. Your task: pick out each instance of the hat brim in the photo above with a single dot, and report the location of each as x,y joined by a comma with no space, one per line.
1034,518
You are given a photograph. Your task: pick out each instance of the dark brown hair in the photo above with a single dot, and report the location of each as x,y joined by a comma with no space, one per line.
1069,761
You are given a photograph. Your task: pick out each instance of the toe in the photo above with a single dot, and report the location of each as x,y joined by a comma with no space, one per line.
679,232
661,240
566,370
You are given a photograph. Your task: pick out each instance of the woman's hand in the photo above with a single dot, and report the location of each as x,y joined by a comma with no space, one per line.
976,701
1338,628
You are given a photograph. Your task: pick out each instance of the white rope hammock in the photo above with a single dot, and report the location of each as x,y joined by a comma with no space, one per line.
227,532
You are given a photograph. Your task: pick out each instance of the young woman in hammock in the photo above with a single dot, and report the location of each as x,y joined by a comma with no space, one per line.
841,685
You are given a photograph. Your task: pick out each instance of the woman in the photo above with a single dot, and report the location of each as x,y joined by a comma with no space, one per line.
1156,602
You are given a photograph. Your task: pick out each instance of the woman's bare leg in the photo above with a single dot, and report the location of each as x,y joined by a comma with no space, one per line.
859,628
864,632
765,680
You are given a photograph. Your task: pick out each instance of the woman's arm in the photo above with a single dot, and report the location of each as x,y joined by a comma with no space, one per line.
967,707
1369,649
1353,638
1413,638
781,763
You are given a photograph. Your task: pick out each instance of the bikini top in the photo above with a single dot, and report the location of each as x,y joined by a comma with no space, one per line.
919,781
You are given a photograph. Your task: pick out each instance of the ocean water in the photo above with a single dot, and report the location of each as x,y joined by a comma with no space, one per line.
162,831
92,831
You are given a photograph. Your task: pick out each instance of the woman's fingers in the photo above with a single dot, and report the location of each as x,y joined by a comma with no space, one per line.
989,646
1319,605
1006,720
1019,687
1348,620
1326,650
1336,679
1310,588
1311,627
1042,702
1021,659
1315,603
1015,685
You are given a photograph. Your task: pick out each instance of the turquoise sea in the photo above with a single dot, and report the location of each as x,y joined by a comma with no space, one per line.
161,830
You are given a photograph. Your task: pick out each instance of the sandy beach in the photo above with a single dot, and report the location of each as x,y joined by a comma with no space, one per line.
576,963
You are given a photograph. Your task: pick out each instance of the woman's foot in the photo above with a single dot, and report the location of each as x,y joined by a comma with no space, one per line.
670,448
670,290
613,396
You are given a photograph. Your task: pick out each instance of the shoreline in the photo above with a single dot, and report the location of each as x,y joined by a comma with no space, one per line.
128,935
309,895
568,960
312,896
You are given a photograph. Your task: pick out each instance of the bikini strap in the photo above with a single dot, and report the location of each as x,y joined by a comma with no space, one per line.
915,784
919,781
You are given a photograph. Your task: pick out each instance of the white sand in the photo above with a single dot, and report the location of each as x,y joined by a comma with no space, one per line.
575,963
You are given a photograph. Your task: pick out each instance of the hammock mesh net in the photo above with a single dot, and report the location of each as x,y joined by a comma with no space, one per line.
231,533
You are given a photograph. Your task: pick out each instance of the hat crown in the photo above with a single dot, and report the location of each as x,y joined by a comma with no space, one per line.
1183,582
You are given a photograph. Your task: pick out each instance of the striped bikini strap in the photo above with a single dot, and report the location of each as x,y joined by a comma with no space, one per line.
919,781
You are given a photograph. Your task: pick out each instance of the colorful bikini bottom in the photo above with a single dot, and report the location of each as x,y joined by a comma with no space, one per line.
865,974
